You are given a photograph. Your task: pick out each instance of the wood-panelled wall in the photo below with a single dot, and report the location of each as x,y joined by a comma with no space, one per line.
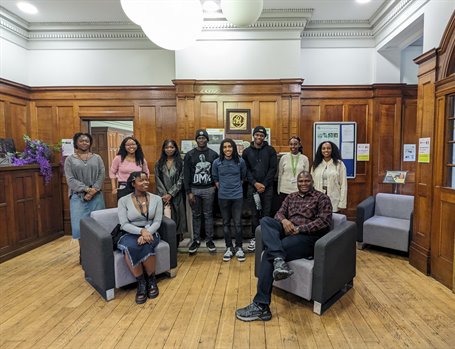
433,246
385,115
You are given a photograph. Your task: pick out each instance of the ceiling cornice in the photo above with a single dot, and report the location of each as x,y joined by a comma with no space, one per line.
277,20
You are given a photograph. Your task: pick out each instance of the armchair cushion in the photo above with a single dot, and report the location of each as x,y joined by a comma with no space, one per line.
387,232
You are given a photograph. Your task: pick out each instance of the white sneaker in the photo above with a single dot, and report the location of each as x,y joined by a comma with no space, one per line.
252,245
240,254
228,254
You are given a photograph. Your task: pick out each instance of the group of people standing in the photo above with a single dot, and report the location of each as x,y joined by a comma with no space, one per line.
197,177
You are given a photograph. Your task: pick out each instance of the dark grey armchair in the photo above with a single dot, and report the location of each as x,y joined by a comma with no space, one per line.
330,274
106,269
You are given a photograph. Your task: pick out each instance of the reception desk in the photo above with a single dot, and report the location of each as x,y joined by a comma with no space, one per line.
30,211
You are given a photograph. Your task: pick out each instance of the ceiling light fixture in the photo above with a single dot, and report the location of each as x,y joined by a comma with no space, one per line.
362,1
27,8
170,24
242,13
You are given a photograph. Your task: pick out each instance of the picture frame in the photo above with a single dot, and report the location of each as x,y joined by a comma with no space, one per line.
238,121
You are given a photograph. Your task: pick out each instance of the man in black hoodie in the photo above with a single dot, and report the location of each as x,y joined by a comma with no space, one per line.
261,162
200,188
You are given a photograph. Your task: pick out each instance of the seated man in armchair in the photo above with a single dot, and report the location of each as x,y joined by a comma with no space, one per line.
304,217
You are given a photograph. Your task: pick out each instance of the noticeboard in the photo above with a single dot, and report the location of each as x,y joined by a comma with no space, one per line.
344,135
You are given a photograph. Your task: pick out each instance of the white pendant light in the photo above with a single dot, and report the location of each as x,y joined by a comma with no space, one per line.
242,13
137,10
173,24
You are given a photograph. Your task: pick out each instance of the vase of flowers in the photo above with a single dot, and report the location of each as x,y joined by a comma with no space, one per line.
36,152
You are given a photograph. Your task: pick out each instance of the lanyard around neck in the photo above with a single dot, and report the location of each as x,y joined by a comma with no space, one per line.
146,216
294,163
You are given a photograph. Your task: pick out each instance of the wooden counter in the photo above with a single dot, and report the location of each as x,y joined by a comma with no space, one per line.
30,211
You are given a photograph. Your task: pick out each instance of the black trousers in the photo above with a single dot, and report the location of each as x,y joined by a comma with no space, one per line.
266,201
277,244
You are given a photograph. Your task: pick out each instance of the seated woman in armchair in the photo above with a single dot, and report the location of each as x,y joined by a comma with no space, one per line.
140,214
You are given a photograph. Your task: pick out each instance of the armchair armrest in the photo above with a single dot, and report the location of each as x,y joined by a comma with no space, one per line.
365,210
334,262
97,257
168,232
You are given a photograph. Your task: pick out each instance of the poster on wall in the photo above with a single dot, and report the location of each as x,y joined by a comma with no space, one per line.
344,136
67,147
424,150
363,152
216,135
409,152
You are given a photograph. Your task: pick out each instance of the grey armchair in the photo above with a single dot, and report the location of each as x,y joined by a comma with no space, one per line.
106,269
386,221
330,274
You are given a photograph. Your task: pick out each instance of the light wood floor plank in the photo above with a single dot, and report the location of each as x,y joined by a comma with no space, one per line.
46,303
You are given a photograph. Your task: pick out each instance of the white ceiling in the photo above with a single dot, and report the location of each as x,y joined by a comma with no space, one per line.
73,11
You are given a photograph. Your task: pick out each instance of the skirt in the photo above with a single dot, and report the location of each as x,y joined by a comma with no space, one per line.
137,253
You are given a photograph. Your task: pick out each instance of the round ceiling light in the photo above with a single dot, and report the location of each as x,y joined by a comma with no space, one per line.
137,10
242,13
173,24
27,7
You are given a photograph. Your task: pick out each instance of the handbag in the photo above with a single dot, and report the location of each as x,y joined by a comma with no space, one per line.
116,234
168,211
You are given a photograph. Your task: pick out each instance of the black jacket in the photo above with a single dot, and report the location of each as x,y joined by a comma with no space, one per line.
261,164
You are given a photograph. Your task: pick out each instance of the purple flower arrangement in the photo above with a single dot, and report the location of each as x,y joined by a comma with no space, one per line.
36,152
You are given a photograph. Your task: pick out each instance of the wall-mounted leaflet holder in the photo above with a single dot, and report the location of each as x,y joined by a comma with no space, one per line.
395,178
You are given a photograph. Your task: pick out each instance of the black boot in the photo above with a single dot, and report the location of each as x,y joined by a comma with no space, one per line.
141,293
152,287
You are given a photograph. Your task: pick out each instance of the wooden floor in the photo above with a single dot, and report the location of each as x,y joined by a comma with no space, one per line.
46,303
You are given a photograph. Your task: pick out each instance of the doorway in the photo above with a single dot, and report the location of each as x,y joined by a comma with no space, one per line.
107,137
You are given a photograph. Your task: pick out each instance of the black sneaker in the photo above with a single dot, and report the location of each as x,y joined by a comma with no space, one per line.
253,312
211,246
194,246
281,269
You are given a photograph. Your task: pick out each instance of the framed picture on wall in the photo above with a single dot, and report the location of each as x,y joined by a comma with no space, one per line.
238,121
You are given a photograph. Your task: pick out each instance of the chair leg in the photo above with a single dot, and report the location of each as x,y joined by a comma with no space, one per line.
110,294
360,245
172,273
317,308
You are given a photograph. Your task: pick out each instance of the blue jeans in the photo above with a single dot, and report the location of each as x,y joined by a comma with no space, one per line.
232,208
203,206
80,209
277,244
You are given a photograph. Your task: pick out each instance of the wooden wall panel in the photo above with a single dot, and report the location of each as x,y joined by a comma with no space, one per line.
443,234
19,124
310,113
24,207
409,136
7,226
2,119
46,124
419,250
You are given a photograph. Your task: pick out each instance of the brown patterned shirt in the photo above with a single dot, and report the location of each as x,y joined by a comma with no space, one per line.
310,212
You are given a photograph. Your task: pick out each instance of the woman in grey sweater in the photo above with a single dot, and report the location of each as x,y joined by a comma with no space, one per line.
140,215
84,173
